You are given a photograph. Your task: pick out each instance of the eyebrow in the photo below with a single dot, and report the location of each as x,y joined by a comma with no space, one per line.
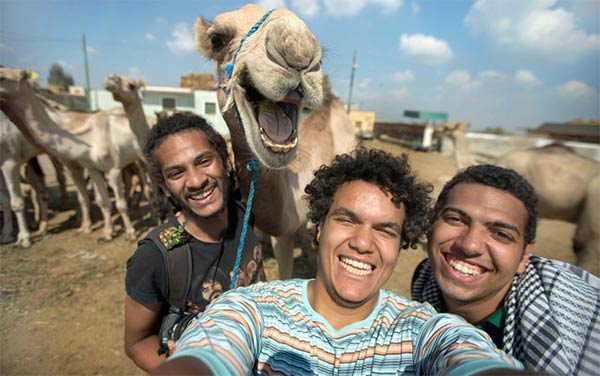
500,224
204,154
351,214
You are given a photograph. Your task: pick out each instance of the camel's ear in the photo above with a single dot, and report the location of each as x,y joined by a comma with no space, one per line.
141,84
203,44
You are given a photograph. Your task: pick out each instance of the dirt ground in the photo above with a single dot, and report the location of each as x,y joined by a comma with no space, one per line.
61,300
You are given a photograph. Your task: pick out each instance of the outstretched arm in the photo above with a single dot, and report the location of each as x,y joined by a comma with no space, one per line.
186,365
141,341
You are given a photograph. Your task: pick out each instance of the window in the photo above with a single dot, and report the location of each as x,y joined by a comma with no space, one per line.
210,108
168,103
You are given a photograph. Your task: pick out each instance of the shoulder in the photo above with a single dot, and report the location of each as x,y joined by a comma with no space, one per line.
147,252
399,308
556,274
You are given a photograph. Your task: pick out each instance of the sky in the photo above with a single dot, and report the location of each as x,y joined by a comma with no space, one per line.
493,63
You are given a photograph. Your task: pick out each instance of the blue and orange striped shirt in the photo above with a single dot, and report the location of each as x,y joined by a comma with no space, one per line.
271,329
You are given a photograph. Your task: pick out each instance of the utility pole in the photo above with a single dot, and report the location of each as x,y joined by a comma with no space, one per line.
351,82
87,75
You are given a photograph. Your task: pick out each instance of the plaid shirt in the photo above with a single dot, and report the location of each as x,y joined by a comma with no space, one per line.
552,310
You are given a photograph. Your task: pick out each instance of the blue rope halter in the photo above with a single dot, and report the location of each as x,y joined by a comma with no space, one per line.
253,164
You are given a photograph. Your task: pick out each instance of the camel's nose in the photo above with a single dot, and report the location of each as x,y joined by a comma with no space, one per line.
292,44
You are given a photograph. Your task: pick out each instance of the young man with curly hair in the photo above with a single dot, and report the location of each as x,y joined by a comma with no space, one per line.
366,207
184,264
543,312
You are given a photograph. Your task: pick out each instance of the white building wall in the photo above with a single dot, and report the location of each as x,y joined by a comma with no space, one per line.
195,101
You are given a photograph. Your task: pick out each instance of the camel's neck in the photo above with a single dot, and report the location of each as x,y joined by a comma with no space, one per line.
31,116
461,150
137,121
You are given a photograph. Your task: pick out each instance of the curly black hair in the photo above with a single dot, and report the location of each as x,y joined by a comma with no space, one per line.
390,173
170,125
500,178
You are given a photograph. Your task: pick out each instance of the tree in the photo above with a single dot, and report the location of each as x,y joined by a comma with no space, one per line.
58,77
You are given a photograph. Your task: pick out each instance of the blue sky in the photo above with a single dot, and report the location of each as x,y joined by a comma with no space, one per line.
493,63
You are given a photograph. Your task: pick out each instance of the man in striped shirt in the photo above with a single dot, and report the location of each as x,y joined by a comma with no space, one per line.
366,206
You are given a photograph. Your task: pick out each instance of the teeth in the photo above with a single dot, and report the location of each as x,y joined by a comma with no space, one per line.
278,148
463,268
356,267
203,194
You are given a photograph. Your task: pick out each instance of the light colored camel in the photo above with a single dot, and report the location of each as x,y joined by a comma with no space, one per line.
276,71
17,152
103,143
126,91
565,182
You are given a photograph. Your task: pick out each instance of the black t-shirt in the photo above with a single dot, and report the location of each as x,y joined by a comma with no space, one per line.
212,265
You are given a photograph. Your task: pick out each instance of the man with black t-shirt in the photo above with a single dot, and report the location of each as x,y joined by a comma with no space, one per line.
188,160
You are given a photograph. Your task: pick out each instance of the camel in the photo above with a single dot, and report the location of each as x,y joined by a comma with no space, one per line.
126,91
16,151
102,143
565,182
277,71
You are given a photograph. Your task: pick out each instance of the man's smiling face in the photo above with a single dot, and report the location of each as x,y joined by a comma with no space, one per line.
476,246
359,243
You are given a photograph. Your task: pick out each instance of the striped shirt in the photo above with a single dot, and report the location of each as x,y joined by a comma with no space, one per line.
271,329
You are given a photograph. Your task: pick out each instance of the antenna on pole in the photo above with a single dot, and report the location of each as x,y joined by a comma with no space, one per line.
87,75
351,82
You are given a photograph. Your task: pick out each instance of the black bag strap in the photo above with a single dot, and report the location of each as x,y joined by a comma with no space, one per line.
178,267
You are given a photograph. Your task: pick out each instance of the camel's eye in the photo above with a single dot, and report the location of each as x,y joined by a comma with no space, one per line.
217,42
131,87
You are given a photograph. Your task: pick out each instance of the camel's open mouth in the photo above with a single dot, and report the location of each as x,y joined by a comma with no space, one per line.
278,121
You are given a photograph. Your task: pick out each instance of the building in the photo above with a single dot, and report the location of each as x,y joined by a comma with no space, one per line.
156,99
577,130
364,123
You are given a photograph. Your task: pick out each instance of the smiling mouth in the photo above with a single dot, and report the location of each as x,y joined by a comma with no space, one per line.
356,267
464,268
200,195
278,121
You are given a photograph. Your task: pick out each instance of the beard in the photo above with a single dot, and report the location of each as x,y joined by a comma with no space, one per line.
191,214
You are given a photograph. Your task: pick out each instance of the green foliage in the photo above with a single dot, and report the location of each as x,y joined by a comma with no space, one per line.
58,77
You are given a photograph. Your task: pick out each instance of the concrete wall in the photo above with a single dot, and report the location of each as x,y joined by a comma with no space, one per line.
197,101
497,145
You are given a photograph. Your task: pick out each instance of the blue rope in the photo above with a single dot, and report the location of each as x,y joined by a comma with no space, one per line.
253,164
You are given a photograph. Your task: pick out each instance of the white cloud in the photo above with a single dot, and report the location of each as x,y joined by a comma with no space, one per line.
492,75
149,36
306,8
363,84
270,4
405,76
183,39
532,28
576,89
462,79
428,48
351,8
4,47
91,50
525,77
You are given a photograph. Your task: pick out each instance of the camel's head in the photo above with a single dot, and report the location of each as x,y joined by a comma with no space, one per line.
12,80
276,71
123,89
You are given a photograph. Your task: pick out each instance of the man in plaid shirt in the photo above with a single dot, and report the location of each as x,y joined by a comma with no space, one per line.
543,312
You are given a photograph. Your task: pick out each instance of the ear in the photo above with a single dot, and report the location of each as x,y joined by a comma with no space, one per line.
203,43
318,234
524,258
